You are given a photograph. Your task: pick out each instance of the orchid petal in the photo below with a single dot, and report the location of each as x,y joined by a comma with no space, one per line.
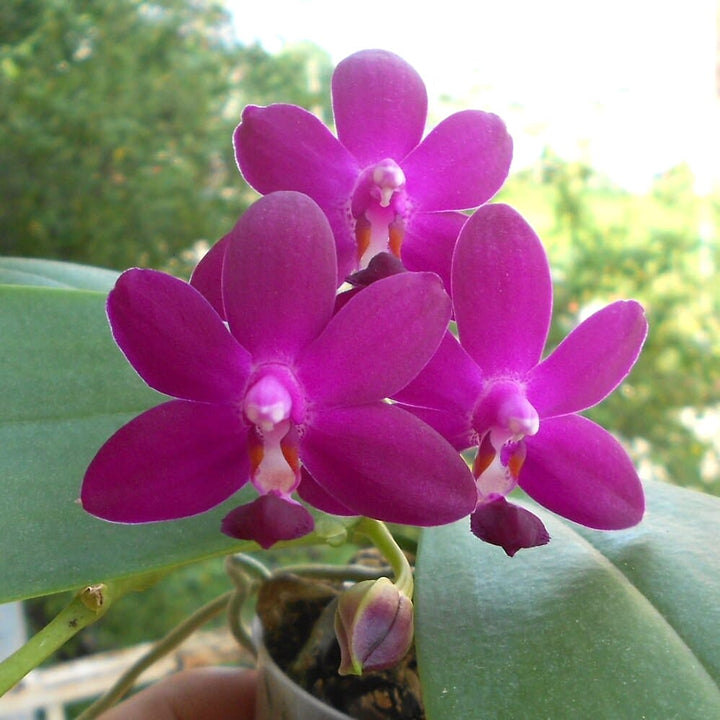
279,276
377,342
502,292
454,426
380,461
430,240
380,106
207,275
461,164
451,380
284,147
174,339
380,266
578,470
319,498
509,526
267,520
591,362
175,460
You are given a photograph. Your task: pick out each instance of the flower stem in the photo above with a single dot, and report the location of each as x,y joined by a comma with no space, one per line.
378,533
126,681
88,605
354,573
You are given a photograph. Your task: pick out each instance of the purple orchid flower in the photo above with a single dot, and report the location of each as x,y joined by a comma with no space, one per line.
492,391
286,392
382,187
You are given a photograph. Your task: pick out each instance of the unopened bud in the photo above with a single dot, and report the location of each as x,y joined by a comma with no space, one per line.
374,626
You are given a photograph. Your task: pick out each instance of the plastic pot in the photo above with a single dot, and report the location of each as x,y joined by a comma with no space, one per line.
279,698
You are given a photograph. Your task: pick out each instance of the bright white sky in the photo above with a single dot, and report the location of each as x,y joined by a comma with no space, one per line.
625,84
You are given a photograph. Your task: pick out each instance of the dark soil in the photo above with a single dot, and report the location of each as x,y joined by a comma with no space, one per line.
297,617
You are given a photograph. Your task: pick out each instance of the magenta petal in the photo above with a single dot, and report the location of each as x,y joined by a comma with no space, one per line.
382,462
509,526
461,164
283,147
502,292
578,470
380,106
377,342
455,426
174,339
279,276
267,520
207,275
451,381
430,240
591,362
175,460
319,498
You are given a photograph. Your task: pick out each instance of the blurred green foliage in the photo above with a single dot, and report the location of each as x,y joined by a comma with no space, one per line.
660,248
116,120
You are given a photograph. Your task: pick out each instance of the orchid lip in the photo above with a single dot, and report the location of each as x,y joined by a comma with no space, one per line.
274,404
502,418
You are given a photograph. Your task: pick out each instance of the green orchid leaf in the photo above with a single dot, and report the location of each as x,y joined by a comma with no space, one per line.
603,625
53,273
65,388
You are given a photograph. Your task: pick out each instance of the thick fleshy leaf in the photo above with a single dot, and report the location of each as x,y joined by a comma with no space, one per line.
618,625
174,338
430,240
381,461
461,164
510,526
279,276
66,388
591,362
207,275
175,460
54,273
380,106
502,292
580,471
451,380
268,520
283,147
377,342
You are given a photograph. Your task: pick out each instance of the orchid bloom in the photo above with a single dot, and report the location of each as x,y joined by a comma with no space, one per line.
491,390
286,392
382,186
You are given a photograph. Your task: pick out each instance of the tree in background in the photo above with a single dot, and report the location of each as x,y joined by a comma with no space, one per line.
116,119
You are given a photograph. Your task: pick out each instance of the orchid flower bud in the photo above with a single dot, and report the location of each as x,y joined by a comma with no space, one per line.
374,626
